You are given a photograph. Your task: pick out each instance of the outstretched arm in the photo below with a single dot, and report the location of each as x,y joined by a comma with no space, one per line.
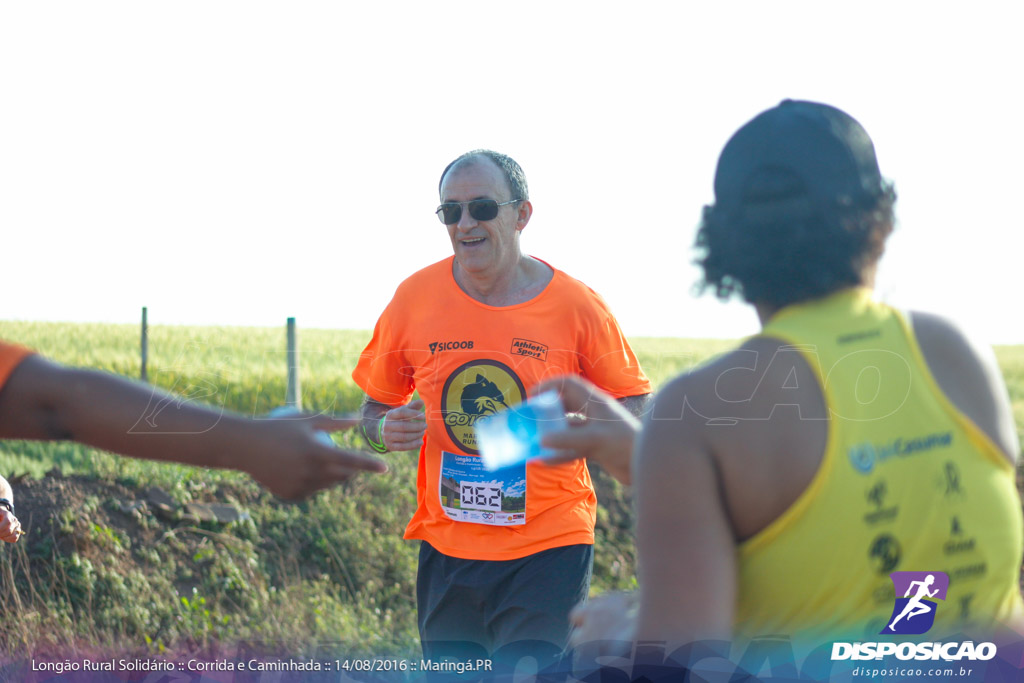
686,548
45,400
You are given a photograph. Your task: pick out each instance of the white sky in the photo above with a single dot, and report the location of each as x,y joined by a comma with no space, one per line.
237,163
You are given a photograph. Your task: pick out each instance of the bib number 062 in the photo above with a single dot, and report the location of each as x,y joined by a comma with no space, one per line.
480,496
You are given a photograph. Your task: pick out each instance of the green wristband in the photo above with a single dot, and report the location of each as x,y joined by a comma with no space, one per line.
379,445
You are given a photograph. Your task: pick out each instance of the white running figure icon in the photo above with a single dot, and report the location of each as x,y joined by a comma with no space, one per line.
915,606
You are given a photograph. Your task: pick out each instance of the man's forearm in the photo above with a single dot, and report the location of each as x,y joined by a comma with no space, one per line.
372,426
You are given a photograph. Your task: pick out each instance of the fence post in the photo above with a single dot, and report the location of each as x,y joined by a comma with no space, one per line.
145,345
293,395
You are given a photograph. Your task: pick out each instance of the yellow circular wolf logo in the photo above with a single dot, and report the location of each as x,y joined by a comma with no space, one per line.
475,390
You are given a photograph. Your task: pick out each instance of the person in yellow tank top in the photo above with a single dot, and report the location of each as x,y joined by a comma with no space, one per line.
793,485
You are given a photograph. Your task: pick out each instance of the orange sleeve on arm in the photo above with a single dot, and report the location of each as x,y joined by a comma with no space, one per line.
382,371
612,365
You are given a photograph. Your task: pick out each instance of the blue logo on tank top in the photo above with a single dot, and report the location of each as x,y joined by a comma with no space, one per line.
864,456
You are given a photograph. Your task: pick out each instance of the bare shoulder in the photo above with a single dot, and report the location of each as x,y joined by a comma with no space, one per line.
685,404
968,374
941,337
746,381
674,438
754,418
733,396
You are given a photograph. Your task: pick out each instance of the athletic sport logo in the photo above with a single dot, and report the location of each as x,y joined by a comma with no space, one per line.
525,347
914,613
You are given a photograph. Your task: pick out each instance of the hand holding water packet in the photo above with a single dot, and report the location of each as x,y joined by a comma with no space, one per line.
513,436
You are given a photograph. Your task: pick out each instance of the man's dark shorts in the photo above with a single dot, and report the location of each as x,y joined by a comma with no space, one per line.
469,607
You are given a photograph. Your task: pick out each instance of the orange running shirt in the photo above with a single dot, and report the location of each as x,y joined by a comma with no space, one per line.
467,360
10,356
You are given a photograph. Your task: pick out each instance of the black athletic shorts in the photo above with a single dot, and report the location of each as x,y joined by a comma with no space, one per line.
505,608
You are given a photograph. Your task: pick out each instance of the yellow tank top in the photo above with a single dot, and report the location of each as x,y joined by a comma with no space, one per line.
907,483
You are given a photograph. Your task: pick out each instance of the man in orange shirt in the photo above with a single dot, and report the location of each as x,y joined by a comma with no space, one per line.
40,399
504,554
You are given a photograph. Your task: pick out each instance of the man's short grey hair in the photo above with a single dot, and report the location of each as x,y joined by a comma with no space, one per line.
513,171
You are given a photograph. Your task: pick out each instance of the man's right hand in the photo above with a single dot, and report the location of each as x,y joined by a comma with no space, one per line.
404,427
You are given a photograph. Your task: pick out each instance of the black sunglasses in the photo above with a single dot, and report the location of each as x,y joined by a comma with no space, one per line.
480,209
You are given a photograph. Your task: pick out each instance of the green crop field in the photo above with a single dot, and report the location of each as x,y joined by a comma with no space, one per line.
100,570
242,369
331,574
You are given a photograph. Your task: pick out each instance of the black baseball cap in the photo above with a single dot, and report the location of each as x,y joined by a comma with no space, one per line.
823,146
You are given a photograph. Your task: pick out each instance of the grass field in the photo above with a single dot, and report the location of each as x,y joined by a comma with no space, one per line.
330,575
329,572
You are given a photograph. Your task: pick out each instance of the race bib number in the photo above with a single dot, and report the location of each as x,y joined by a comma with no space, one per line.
470,493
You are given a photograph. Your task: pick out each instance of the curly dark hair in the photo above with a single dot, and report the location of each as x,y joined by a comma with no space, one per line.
780,246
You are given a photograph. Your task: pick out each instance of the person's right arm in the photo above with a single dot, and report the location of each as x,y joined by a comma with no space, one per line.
387,428
45,400
686,547
686,564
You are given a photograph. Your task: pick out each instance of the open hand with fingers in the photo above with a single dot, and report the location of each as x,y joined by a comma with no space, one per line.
602,431
295,458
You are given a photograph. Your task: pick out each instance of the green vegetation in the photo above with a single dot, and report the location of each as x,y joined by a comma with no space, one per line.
101,569
328,576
